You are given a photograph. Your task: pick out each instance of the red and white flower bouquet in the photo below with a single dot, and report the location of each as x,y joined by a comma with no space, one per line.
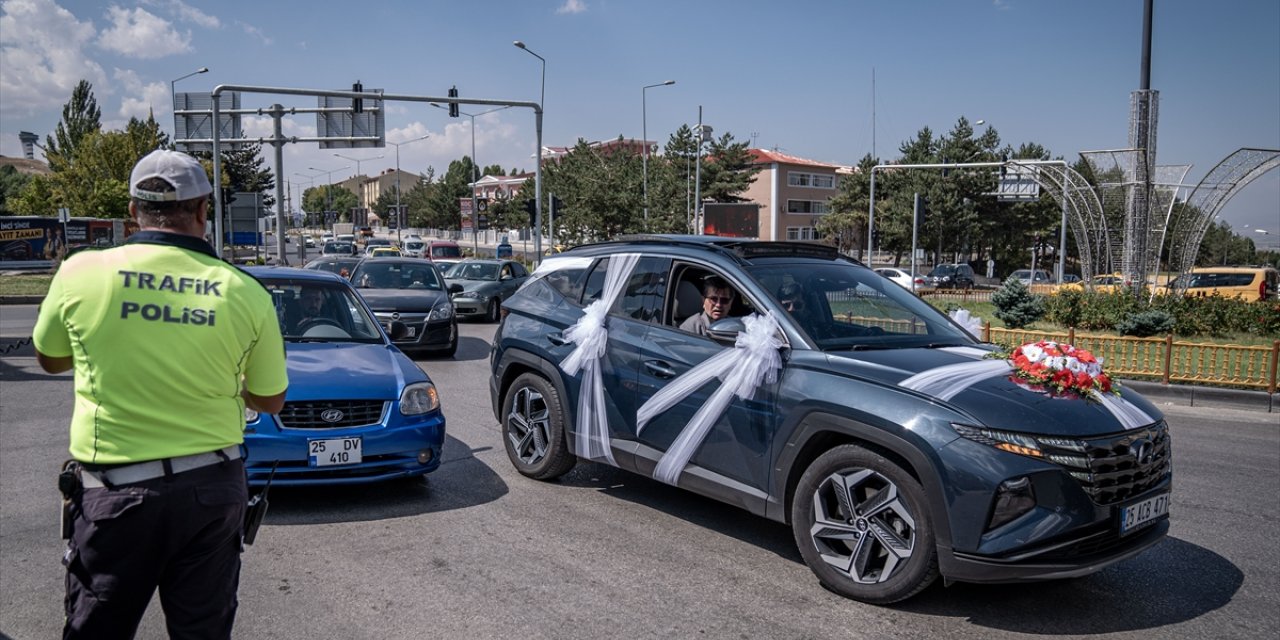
1061,368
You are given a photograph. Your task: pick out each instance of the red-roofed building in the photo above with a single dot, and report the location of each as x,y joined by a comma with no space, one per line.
792,193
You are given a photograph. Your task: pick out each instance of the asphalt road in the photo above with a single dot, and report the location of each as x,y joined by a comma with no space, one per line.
477,551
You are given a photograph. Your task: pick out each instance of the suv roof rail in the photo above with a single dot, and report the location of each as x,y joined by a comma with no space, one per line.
740,248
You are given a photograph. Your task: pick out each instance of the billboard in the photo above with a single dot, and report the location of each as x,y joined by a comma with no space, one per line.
731,220
30,238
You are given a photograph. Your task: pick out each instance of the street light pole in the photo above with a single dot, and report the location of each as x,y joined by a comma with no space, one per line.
475,171
360,199
397,146
537,203
644,128
328,187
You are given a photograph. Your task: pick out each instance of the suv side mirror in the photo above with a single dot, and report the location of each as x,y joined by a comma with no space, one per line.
726,330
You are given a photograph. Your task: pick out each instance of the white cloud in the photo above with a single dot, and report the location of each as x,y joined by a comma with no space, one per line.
41,55
138,33
185,12
140,100
256,32
572,6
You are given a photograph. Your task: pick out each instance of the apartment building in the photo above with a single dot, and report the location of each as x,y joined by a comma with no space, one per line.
792,193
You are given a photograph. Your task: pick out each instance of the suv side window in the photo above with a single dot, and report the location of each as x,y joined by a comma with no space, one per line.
642,299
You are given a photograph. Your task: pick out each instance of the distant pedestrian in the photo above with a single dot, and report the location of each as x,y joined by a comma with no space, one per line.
169,345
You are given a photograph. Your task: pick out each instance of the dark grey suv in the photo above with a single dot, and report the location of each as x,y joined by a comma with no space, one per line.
807,389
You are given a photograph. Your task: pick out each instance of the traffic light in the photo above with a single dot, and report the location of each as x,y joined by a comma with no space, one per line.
453,106
357,105
556,204
1004,167
228,196
531,207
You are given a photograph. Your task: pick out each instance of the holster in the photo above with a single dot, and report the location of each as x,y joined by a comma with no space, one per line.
70,486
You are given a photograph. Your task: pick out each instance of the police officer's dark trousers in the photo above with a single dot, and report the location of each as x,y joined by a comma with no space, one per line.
180,533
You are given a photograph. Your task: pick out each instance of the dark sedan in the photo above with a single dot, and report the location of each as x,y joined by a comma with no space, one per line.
485,284
341,265
410,291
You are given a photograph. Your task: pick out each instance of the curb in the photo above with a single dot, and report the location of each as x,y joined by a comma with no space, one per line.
1193,396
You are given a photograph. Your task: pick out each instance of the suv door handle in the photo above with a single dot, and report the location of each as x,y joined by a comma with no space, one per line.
660,369
557,339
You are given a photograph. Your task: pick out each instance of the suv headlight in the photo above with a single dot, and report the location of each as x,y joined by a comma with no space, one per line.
1067,452
441,312
419,398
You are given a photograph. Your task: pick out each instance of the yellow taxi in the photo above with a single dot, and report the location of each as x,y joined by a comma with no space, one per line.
1247,283
385,252
1106,283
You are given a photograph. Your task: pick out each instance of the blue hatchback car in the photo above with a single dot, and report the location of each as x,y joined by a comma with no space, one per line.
357,409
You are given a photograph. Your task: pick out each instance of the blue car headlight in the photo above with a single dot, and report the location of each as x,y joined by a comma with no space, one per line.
441,312
250,416
419,398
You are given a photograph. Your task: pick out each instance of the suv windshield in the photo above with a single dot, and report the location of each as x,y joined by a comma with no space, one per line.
321,312
843,306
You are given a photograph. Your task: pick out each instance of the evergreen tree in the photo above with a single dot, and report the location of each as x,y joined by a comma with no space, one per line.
728,170
1015,305
81,116
243,170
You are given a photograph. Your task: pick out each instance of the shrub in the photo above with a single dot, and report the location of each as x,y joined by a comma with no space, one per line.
1145,324
1015,305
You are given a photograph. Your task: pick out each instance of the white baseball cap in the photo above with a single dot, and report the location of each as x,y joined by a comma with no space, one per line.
180,170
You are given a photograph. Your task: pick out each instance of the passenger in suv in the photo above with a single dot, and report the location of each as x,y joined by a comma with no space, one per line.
952,276
828,398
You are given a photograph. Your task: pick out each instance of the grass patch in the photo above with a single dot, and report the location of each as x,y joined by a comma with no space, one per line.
36,284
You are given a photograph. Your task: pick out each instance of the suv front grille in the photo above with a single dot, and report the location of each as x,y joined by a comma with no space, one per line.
316,414
1114,468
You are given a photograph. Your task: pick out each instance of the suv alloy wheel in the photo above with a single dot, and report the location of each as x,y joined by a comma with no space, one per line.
861,525
533,426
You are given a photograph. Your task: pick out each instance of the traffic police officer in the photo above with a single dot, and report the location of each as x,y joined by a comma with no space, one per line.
169,346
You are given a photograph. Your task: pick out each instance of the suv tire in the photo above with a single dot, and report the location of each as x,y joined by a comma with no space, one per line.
856,516
533,429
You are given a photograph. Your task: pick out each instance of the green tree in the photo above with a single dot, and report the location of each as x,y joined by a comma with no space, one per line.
1016,305
81,116
846,223
243,170
330,198
94,181
727,170
11,183
36,198
1222,246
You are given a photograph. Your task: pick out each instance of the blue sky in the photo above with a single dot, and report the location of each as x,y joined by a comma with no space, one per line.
794,76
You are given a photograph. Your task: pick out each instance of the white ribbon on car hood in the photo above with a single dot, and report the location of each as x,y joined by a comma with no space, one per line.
946,382
591,334
753,360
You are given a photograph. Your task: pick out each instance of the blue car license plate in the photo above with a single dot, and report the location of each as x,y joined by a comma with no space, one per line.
334,451
1143,513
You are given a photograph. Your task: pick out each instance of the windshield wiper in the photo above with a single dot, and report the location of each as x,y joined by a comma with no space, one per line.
865,347
940,345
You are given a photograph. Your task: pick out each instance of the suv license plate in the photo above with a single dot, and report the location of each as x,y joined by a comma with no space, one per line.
334,452
1143,513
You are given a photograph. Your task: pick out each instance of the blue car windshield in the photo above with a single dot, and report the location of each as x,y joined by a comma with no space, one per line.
473,271
842,306
396,275
321,312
